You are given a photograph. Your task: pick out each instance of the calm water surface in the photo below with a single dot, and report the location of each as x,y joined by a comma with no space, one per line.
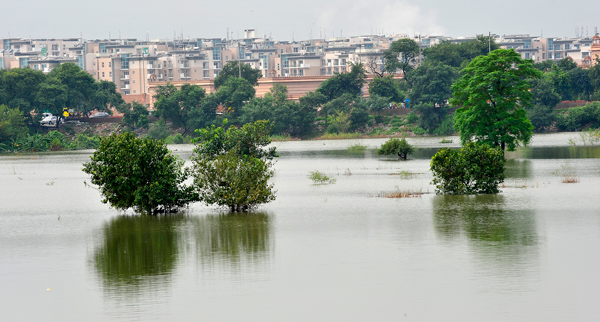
318,253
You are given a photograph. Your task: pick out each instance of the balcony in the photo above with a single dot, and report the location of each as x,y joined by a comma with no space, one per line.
126,87
300,66
125,77
183,66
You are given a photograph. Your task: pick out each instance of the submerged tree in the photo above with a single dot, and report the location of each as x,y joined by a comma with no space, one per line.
232,168
396,147
474,169
139,173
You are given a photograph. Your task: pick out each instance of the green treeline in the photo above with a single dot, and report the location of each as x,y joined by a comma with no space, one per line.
336,108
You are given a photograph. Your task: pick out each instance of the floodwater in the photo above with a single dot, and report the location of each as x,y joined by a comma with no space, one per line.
337,252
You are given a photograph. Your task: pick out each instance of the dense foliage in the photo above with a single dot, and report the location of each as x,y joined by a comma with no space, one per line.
139,173
396,146
492,94
474,169
234,69
232,167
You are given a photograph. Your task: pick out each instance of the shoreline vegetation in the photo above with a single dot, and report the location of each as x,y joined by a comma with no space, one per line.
83,136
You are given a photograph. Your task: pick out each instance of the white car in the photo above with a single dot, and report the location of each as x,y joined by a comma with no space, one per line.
49,120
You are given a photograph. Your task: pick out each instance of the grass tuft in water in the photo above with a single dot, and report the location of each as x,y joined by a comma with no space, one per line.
319,177
357,148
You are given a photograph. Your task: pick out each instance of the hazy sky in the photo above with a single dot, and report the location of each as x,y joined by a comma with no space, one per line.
286,19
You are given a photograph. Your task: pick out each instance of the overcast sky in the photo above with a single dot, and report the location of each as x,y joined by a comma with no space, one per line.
287,20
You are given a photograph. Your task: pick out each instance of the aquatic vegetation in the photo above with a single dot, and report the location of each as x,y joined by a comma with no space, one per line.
320,178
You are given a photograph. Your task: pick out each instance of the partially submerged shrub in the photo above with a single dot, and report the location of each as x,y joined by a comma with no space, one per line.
396,147
232,168
139,173
319,177
473,169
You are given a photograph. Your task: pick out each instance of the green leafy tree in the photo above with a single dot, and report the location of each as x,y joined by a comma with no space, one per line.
474,169
12,126
566,64
492,94
398,147
287,117
458,54
344,83
232,167
401,56
135,115
106,96
386,87
234,69
340,121
52,97
234,94
185,107
139,173
19,89
544,66
81,87
313,100
432,83
581,84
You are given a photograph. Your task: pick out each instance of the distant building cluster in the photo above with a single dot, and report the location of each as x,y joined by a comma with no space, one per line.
136,67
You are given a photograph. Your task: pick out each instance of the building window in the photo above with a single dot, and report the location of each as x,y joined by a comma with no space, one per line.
102,74
109,74
109,64
102,64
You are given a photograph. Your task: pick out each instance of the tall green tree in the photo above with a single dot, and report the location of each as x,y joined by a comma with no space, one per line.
234,69
401,56
12,125
492,94
339,84
81,87
386,87
19,89
184,108
135,115
233,95
457,54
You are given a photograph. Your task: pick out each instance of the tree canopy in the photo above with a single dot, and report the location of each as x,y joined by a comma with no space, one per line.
185,107
339,84
139,173
235,68
402,55
232,167
492,93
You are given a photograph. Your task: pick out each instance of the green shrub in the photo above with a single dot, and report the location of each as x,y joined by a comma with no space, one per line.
417,130
474,169
357,148
238,183
319,177
232,167
396,147
412,118
139,173
158,131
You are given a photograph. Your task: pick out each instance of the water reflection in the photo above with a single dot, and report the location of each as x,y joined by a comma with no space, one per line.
232,238
561,152
135,247
484,218
518,169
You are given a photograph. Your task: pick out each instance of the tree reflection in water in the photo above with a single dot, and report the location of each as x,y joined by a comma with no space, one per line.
484,218
135,247
232,238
